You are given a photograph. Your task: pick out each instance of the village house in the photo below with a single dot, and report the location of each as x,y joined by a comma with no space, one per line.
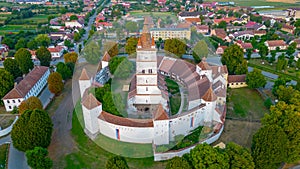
297,41
227,20
204,29
288,28
220,50
74,24
183,15
242,35
220,33
255,26
273,44
237,81
57,52
31,85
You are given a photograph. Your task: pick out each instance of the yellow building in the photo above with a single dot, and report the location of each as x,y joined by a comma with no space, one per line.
169,33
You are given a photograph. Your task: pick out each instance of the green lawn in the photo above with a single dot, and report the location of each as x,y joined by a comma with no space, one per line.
245,103
175,98
3,155
290,72
162,15
90,155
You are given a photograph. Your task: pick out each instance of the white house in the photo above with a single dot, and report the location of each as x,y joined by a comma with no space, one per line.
56,52
73,24
31,85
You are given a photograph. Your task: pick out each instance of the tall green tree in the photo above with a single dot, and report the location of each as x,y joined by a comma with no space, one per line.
6,82
71,57
223,25
73,17
286,117
32,45
205,156
43,40
255,79
263,51
32,129
175,46
200,50
23,57
269,147
233,58
91,52
281,63
120,67
131,44
281,80
20,44
11,65
44,55
63,70
285,93
291,49
239,157
37,158
116,162
178,163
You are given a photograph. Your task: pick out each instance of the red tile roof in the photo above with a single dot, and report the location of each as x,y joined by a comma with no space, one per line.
106,57
90,102
160,113
236,78
209,95
84,75
110,118
273,43
21,89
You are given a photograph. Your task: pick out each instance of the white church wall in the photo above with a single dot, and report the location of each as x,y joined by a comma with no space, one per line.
147,90
194,103
146,79
90,118
146,55
161,132
125,133
153,99
145,66
83,85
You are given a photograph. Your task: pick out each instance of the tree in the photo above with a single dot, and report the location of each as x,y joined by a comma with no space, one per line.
116,162
71,57
286,117
30,104
68,43
131,26
37,158
267,23
281,80
120,67
6,82
281,63
32,45
55,83
131,44
222,24
233,57
255,79
32,129
9,42
205,156
79,48
178,163
44,55
249,53
20,44
263,51
77,37
43,40
73,17
91,52
297,23
175,46
242,68
239,157
23,57
291,49
11,65
111,48
63,70
200,50
269,147
273,56
285,93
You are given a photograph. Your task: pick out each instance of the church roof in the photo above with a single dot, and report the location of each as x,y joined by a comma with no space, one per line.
204,65
84,75
160,113
110,118
106,57
209,95
89,101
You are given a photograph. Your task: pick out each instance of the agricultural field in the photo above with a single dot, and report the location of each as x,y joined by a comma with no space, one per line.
16,28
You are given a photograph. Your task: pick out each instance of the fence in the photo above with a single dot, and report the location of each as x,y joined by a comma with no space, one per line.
8,129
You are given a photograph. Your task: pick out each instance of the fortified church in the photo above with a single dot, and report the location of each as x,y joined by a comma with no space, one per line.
204,98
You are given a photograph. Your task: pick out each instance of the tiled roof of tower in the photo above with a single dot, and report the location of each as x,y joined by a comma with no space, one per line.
204,65
145,41
106,57
27,83
110,118
209,95
84,75
89,101
160,113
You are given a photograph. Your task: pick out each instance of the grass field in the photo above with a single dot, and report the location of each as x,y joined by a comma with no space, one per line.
175,98
90,155
3,155
245,103
162,15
